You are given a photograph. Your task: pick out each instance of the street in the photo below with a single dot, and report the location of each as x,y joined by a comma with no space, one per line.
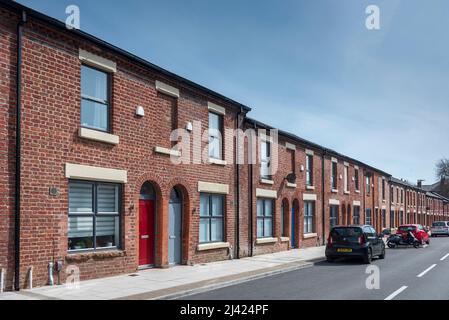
405,273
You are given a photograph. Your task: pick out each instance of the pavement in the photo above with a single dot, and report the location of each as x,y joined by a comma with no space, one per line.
176,281
405,273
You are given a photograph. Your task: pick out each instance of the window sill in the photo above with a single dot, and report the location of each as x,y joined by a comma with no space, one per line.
167,151
217,161
80,256
310,187
284,239
212,246
266,240
357,191
267,181
291,185
334,190
347,192
310,235
100,136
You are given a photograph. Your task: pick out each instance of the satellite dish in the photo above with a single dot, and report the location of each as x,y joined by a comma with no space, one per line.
291,178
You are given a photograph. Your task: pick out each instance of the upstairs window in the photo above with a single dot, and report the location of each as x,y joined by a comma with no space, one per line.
95,104
309,170
356,179
265,154
368,185
346,179
383,189
215,136
334,175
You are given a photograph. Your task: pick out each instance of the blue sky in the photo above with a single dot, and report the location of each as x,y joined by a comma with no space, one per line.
308,67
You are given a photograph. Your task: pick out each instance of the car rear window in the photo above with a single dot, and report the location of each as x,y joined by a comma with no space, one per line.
407,228
439,224
347,234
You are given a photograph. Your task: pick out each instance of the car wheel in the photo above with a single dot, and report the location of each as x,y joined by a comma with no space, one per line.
368,256
391,245
329,259
428,242
382,256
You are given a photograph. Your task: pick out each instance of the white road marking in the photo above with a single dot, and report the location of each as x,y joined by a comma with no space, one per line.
427,270
444,257
394,294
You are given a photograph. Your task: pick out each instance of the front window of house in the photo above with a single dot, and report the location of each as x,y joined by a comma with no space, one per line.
264,218
211,218
95,104
309,211
368,217
333,218
356,216
94,215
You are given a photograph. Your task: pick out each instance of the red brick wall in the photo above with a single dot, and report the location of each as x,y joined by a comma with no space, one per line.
7,142
51,119
293,197
346,200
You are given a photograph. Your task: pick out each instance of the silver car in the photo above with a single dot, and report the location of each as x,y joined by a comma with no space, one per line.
440,228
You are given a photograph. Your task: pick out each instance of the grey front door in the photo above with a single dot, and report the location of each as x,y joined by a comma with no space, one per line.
175,229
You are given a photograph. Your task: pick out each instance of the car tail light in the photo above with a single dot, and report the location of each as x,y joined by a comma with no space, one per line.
362,239
329,241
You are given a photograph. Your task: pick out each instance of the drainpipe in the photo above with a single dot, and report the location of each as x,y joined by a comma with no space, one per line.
391,193
323,208
364,197
251,207
237,186
18,152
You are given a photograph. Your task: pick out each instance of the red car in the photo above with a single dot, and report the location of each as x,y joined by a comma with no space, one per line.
417,230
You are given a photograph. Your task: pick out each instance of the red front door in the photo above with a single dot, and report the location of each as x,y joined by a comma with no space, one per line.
146,232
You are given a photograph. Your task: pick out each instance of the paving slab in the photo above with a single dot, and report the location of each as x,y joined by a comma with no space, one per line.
177,281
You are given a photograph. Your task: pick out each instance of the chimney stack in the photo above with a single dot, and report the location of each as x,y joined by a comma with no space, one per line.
419,183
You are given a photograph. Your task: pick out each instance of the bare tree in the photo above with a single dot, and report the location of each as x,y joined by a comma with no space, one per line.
442,168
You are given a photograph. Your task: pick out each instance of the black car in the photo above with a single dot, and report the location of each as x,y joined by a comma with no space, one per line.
354,241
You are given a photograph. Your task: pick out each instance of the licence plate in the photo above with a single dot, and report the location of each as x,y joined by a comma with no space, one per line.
344,250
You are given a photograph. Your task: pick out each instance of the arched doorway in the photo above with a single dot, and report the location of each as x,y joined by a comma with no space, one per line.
284,220
147,235
348,215
175,227
295,225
